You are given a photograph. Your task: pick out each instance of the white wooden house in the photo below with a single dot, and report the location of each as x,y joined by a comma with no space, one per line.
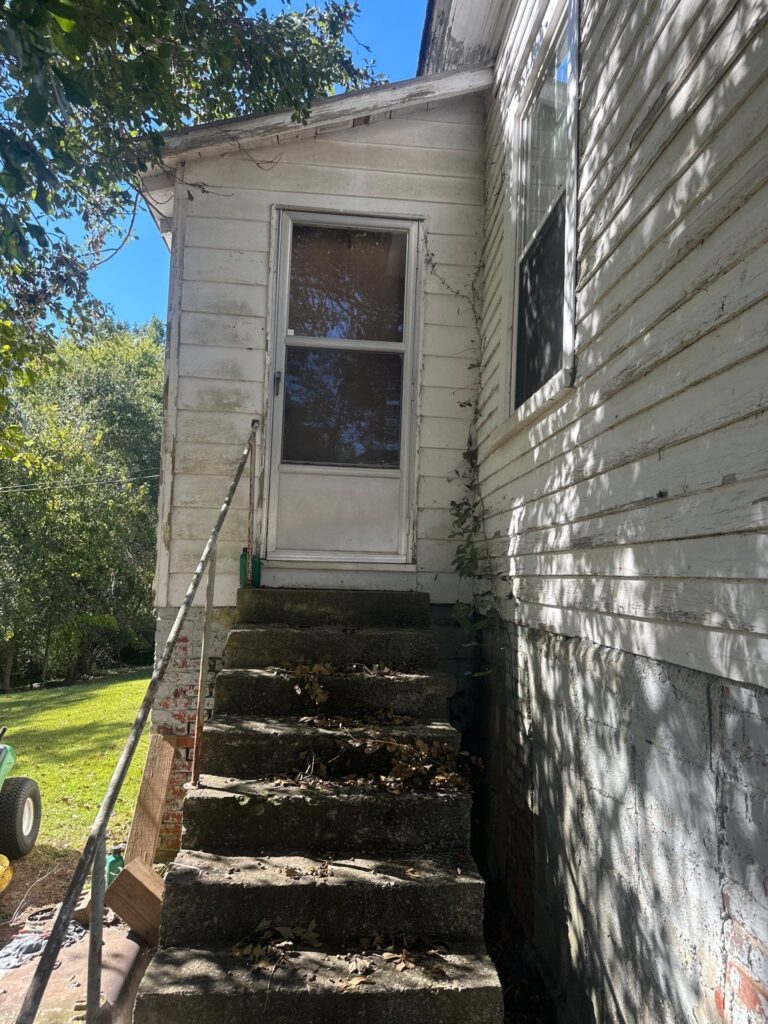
551,245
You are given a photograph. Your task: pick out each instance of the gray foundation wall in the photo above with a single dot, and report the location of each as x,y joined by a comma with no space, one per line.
624,828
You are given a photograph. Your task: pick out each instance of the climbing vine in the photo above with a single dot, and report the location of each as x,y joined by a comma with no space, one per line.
472,559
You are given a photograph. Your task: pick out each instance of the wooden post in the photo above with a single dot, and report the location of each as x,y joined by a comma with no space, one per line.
135,896
150,805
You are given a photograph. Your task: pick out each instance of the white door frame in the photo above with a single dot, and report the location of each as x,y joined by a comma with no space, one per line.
285,218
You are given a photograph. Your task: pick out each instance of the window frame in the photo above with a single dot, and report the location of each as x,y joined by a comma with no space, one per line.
282,218
551,19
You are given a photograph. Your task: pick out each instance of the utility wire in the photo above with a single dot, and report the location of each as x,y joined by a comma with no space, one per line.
66,485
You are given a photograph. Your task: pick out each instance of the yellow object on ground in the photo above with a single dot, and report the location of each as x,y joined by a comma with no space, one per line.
6,873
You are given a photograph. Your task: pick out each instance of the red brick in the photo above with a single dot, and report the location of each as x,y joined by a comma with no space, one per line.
748,991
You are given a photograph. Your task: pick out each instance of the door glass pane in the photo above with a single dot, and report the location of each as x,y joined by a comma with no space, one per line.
342,407
546,136
347,283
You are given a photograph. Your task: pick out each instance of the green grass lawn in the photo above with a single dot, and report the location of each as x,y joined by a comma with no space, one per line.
68,739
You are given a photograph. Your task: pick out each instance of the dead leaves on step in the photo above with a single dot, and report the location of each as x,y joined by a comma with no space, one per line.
397,765
407,954
308,678
270,946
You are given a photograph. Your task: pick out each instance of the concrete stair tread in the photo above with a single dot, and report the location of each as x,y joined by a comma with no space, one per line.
286,746
219,786
442,681
185,984
344,870
210,897
261,646
294,728
302,607
272,691
258,816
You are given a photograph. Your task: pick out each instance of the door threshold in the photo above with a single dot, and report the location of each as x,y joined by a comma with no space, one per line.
298,564
339,576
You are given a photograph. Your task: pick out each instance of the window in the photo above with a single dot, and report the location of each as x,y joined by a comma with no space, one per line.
545,250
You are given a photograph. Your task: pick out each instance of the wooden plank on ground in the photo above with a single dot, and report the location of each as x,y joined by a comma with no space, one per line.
135,896
150,805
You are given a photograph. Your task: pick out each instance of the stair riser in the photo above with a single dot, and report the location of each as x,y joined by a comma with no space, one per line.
363,1005
346,696
262,647
332,608
284,824
202,913
249,757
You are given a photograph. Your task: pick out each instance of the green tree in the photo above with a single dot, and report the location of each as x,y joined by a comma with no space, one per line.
77,506
89,87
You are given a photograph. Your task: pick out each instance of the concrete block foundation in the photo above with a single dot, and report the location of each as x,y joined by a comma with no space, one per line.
622,815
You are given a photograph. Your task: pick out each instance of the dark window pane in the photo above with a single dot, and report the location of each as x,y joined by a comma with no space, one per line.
347,283
342,407
540,309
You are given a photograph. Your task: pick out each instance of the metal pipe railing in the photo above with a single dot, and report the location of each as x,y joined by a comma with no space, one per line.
93,855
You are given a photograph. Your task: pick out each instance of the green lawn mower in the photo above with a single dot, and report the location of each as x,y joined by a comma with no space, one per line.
20,807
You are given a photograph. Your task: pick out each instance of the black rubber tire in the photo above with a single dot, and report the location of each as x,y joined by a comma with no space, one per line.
14,842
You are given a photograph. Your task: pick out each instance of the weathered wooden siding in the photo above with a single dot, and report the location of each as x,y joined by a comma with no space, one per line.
633,513
427,163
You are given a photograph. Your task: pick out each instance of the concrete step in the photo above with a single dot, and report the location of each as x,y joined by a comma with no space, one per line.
227,815
339,646
214,900
270,692
316,987
249,748
293,607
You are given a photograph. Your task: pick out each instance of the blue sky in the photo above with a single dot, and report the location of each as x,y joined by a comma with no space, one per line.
135,281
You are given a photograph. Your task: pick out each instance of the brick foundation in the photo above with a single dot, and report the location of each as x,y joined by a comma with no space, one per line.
174,711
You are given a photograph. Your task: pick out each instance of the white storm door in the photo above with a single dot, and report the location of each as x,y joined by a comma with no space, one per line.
341,421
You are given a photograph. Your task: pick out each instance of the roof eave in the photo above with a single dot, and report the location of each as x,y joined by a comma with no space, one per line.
219,137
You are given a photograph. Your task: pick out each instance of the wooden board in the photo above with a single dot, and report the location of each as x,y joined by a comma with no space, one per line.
135,896
150,805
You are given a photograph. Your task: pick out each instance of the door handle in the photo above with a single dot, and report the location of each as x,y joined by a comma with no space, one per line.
278,377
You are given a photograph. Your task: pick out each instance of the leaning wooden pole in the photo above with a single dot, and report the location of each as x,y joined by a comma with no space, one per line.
45,965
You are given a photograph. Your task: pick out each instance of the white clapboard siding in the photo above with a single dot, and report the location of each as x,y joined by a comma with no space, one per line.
207,458
213,427
210,329
220,396
222,363
634,511
736,556
611,436
236,235
428,164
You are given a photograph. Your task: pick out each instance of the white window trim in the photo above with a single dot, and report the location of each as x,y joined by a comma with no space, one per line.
551,17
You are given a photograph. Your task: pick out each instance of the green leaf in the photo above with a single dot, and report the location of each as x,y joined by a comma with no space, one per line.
65,24
35,107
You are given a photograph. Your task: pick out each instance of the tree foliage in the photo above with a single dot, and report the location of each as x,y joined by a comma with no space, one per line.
87,90
77,506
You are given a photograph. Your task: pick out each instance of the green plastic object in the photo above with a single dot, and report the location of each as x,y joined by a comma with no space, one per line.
114,864
7,761
255,569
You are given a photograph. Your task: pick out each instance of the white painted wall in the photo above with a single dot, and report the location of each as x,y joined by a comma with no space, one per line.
633,512
425,163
